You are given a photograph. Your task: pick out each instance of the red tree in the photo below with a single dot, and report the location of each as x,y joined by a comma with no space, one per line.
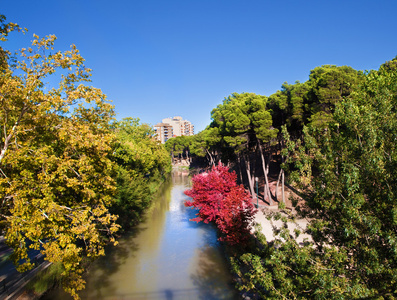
236,216
220,200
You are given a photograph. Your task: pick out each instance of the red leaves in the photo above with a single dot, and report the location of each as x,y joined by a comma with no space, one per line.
220,200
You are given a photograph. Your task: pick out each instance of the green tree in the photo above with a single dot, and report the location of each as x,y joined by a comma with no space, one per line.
313,101
245,126
179,147
142,164
328,86
287,106
55,174
346,173
232,124
265,134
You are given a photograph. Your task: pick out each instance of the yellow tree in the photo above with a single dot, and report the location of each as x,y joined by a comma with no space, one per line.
55,175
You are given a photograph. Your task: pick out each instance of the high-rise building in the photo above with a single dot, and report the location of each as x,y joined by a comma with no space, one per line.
172,127
163,132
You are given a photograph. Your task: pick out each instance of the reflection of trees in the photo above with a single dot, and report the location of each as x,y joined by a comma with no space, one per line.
156,216
100,272
143,237
210,280
180,178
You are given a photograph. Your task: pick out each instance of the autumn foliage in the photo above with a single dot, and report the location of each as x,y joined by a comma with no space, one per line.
220,200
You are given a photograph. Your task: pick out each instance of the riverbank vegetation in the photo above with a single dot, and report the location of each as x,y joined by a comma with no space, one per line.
219,199
70,175
141,166
334,136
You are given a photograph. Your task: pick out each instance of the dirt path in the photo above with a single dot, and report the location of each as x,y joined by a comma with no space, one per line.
264,207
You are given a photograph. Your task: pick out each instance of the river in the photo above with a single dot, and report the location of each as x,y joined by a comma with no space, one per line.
166,257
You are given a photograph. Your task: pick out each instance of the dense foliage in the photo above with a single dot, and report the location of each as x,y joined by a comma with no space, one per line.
56,177
335,134
221,201
142,164
346,173
70,175
67,170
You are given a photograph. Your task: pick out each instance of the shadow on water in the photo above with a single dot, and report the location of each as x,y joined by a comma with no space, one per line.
212,282
110,264
130,246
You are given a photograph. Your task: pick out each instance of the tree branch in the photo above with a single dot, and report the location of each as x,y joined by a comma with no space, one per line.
8,138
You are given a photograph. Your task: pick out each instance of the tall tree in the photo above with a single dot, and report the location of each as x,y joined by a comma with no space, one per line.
265,134
55,173
245,125
346,173
142,164
233,126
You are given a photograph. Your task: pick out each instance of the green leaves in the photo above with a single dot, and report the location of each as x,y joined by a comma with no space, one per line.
344,167
349,186
142,164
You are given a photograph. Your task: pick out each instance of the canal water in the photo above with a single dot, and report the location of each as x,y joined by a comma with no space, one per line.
166,257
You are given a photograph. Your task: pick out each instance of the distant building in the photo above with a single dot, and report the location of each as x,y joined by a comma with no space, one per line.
163,132
172,127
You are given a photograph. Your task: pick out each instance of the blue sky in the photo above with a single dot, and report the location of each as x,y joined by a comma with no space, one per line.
156,59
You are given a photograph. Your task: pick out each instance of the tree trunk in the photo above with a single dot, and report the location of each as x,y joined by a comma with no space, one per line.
281,173
282,182
282,187
212,162
239,169
278,183
250,181
266,191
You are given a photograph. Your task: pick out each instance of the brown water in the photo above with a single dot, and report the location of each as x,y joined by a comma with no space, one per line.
167,257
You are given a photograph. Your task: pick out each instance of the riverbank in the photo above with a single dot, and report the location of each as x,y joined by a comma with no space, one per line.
13,283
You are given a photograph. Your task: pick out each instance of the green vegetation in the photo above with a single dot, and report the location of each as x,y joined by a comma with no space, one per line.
335,136
142,164
345,170
69,174
179,147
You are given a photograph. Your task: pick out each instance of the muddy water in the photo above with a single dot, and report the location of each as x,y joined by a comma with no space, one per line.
167,257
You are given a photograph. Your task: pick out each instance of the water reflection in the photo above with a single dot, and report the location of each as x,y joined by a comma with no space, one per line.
210,279
166,257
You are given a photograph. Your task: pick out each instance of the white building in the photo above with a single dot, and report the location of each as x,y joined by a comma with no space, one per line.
172,127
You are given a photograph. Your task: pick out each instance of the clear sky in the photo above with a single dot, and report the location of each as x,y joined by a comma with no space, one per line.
160,58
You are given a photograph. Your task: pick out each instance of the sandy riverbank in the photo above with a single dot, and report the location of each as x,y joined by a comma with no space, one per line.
267,225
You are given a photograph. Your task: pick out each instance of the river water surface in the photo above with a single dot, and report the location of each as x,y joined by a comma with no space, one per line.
166,257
